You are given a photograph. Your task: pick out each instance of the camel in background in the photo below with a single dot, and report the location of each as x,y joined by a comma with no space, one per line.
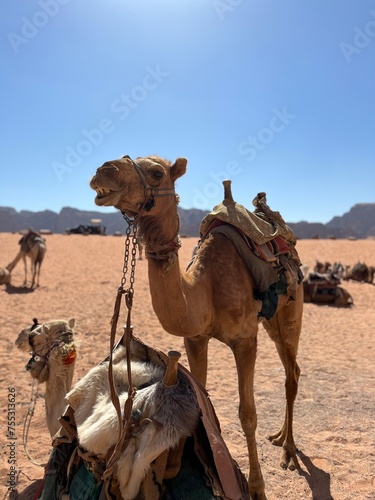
34,247
359,272
53,354
4,276
322,267
214,298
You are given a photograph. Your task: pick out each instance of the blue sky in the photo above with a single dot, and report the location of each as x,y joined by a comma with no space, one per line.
278,96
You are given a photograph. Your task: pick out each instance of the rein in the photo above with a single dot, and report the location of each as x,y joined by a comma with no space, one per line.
123,417
27,422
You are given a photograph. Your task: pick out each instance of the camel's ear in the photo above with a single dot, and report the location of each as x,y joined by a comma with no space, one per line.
178,168
71,322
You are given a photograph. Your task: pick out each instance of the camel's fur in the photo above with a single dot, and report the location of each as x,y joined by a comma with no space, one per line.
161,415
359,272
214,298
34,247
4,276
53,349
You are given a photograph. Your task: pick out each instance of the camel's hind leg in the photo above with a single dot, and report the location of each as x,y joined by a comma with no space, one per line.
36,260
284,329
25,269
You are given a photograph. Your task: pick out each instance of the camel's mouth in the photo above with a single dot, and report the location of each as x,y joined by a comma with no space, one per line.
106,197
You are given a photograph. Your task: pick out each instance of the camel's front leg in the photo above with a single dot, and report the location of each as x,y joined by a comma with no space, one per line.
245,353
197,350
25,268
33,272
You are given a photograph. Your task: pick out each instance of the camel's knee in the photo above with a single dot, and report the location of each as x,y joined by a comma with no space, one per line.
291,387
248,421
291,332
291,382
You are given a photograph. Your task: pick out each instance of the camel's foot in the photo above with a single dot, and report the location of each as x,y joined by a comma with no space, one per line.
278,439
258,495
289,460
289,455
256,489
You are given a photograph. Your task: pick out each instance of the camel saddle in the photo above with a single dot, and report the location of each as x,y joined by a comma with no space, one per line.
207,470
265,243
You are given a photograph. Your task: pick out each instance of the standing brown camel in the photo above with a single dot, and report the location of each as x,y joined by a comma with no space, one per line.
214,298
34,247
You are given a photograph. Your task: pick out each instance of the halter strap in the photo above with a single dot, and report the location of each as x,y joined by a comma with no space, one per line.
150,192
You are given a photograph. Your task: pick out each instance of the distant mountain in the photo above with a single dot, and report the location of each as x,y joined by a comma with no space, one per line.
359,222
13,221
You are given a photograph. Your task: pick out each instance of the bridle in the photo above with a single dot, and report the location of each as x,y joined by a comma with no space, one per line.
167,252
149,192
57,343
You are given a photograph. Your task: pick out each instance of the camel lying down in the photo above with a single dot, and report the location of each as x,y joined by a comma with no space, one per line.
4,276
161,416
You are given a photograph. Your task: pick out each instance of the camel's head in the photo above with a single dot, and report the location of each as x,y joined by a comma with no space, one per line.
4,276
134,186
42,341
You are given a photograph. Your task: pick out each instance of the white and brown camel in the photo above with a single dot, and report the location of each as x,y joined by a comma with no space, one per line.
33,245
53,349
4,276
214,298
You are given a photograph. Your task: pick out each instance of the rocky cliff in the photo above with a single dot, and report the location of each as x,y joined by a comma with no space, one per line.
359,222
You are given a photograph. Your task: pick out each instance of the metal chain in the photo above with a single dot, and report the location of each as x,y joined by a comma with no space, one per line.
131,234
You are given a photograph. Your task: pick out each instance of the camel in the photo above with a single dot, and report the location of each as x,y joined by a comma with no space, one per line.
53,349
359,272
214,298
322,267
4,276
34,247
323,288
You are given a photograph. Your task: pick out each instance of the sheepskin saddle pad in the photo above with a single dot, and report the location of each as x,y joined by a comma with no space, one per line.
158,460
161,416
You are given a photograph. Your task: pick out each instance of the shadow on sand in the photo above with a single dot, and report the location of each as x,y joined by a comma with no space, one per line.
18,289
318,479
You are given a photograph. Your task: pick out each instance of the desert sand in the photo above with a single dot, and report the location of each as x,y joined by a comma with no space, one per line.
334,411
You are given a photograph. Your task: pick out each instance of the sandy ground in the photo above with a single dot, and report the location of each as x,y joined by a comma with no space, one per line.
334,414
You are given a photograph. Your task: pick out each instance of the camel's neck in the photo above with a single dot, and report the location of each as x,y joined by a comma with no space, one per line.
157,231
58,385
171,290
15,261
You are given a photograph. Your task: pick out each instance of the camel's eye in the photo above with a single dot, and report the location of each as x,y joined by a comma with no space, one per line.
157,175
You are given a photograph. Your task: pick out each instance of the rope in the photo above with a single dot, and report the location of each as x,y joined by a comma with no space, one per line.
27,422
